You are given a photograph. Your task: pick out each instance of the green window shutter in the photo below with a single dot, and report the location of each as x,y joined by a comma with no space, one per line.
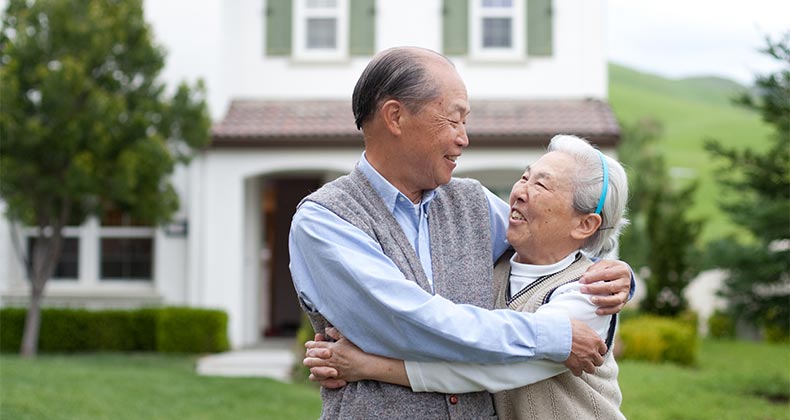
278,27
362,32
539,28
455,27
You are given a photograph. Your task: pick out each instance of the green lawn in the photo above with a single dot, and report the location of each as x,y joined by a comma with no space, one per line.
726,384
691,111
733,380
110,386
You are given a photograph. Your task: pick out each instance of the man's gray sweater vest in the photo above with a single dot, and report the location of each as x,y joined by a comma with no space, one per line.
461,252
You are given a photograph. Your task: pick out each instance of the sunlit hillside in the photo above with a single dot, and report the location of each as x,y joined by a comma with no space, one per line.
691,111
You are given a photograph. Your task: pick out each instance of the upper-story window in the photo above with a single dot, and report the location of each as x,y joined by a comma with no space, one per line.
321,29
497,29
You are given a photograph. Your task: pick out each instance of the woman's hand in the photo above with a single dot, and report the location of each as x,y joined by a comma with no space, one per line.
334,364
610,282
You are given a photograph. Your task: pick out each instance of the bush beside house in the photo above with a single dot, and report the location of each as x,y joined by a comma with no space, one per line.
167,329
660,339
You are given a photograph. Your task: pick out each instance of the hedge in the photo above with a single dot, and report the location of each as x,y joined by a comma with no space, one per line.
721,325
167,329
299,372
659,339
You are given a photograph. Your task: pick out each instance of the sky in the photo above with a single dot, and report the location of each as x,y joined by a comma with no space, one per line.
681,38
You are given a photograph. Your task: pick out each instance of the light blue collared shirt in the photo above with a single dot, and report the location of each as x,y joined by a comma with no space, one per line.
342,272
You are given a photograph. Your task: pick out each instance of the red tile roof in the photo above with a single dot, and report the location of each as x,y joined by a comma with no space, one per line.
492,123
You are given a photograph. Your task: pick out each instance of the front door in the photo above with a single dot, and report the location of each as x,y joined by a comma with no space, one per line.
281,196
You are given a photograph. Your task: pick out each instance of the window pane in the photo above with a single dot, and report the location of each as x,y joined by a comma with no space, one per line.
312,4
496,33
497,3
127,258
69,265
119,218
321,33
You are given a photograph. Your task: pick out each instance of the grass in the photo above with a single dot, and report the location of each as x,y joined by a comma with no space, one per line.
691,111
733,380
113,386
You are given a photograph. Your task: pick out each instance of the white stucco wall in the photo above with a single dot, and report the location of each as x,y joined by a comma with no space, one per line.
223,42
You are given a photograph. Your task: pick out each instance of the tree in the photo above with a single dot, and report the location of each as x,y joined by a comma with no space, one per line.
86,126
661,236
757,286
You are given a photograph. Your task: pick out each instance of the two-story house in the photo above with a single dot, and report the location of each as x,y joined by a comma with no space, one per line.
280,75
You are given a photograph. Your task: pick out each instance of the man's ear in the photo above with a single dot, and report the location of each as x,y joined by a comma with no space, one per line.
586,226
392,114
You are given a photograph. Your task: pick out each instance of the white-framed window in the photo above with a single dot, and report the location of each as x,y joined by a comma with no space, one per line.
126,248
68,267
321,29
497,29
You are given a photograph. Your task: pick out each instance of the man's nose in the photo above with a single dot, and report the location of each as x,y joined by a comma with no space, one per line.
462,139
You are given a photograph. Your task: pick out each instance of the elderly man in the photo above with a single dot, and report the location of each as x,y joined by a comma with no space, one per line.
568,205
383,252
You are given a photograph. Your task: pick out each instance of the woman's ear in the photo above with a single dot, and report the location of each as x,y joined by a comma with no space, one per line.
586,226
392,113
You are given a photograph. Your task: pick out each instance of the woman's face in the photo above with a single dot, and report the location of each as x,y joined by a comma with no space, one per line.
541,211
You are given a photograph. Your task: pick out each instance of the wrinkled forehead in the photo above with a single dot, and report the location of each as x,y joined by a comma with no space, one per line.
554,165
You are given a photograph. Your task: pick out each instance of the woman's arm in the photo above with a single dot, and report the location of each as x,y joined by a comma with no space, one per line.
333,364
449,377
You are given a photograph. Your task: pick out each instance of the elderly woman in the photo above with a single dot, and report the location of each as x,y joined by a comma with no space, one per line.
566,208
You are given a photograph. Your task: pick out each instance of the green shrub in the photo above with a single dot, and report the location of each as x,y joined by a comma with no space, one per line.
690,318
659,339
721,325
628,312
12,324
66,330
191,330
182,330
299,372
776,334
143,328
110,330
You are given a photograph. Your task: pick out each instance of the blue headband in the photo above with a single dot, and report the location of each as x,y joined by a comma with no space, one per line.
605,184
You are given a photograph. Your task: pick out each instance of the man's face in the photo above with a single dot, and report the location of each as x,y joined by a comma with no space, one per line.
541,207
436,135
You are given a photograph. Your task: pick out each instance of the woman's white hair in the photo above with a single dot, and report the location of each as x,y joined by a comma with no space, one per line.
587,187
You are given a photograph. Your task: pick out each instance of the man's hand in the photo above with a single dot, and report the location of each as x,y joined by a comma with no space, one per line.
324,375
587,349
610,283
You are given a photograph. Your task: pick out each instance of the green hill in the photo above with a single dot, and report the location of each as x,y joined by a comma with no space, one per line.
691,111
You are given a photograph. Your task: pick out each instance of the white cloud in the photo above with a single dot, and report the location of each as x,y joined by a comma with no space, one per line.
679,38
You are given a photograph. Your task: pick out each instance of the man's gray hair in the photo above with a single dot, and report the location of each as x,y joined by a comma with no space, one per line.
587,187
397,73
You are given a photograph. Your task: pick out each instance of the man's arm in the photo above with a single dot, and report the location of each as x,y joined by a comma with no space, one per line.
611,283
344,362
341,272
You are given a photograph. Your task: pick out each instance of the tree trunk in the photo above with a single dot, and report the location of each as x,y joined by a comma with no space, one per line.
46,253
32,324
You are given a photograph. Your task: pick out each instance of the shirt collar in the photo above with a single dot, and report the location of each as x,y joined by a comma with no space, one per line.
536,271
387,191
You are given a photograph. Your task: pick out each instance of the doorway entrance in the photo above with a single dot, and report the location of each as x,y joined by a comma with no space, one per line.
280,197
